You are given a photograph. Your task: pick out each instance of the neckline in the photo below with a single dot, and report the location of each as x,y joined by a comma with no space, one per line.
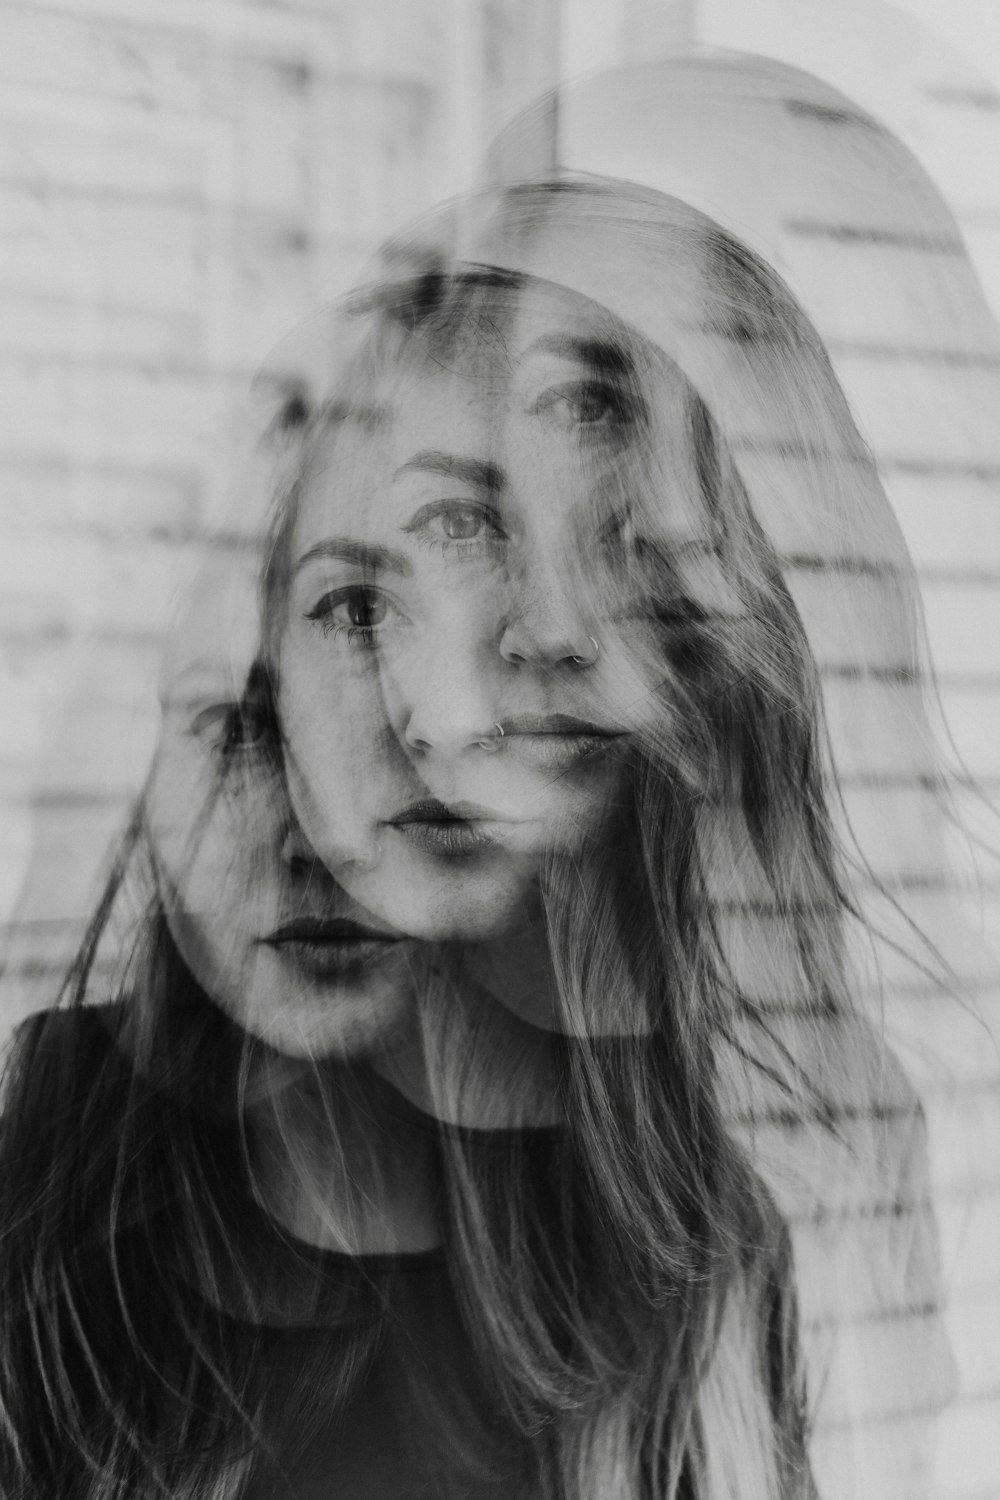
402,1107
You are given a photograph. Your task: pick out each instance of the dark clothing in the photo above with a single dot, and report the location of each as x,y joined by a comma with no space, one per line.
420,1423
357,1375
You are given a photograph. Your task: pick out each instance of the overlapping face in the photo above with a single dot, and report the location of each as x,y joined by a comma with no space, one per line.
260,922
467,649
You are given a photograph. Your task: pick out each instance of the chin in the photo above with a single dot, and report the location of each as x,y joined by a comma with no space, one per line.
468,911
299,1017
343,1027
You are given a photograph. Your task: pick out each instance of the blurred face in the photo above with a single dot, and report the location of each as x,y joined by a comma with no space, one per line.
458,568
271,938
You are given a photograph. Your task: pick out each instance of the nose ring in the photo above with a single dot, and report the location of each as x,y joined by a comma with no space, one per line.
370,859
587,661
491,741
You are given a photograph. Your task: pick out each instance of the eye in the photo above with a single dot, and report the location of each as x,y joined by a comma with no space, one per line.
357,612
462,526
588,404
233,728
462,522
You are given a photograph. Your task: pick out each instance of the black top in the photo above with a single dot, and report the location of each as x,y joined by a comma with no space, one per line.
420,1424
361,1373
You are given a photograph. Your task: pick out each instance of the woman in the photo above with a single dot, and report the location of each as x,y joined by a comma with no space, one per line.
221,1261
545,705
525,542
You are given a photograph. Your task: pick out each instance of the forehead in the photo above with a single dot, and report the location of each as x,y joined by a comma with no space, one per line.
471,385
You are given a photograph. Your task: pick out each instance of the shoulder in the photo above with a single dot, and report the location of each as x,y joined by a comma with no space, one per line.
63,1042
54,1030
65,1069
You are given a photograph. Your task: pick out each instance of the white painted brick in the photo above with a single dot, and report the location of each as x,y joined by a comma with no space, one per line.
948,521
960,147
141,253
852,621
891,296
118,417
972,712
963,1129
955,1040
45,495
272,286
162,68
974,1334
93,580
270,119
34,322
969,1229
898,828
878,727
43,155
967,1449
963,624
94,749
922,986
377,181
377,39
150,279
983,240
72,842
908,412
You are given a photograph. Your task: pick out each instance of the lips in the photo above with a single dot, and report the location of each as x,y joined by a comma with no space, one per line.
463,828
330,947
565,725
327,930
557,742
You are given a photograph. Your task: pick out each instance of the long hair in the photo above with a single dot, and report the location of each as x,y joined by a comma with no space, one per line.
137,1277
639,1313
631,1292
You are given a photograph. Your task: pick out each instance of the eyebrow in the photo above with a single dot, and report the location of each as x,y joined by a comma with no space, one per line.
600,354
367,555
478,472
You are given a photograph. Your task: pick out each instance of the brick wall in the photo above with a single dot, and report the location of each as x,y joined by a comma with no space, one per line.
915,345
944,480
180,182
921,393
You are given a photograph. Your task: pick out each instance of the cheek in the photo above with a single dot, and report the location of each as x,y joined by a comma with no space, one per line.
219,869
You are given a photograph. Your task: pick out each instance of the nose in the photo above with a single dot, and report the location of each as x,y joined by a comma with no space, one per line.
545,626
449,699
296,851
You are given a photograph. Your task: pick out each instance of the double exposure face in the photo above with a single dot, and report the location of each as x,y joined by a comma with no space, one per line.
269,935
466,641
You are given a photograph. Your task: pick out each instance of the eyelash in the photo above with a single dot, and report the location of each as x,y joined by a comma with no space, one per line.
321,614
464,547
231,733
616,419
444,510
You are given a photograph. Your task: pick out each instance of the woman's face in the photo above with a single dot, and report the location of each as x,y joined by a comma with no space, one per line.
260,922
458,566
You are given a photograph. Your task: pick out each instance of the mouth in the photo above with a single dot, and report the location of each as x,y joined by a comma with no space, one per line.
558,742
329,947
464,828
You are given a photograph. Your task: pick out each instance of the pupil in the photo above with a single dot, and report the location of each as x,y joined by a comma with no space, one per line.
460,525
365,611
593,406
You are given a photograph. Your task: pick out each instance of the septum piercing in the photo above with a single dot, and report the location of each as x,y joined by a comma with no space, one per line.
587,661
491,741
